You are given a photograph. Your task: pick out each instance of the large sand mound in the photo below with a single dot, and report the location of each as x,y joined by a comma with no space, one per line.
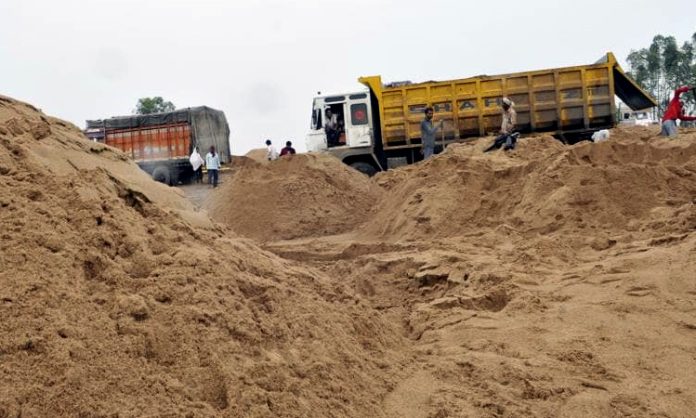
258,155
551,281
299,196
117,299
622,184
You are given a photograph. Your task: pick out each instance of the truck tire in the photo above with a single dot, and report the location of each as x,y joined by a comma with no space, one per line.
365,168
161,174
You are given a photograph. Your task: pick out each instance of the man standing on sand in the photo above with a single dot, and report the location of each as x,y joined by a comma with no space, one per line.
271,153
212,163
675,111
428,130
288,150
507,128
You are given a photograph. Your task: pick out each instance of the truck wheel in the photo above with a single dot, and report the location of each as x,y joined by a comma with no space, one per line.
162,175
365,168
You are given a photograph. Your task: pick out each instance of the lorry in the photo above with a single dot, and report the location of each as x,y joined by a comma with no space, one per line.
380,125
161,143
635,117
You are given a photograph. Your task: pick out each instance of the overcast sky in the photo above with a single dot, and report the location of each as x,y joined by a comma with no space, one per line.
262,61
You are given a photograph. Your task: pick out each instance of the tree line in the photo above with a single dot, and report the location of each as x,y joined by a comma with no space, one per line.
149,105
663,66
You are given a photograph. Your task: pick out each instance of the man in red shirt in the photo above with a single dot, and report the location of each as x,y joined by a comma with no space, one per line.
675,111
288,150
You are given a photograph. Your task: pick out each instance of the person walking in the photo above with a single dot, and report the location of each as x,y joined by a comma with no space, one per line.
675,110
212,163
288,150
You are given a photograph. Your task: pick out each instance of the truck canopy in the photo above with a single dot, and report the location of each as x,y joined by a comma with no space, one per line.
208,126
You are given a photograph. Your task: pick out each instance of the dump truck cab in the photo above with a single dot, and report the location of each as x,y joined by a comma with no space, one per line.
353,115
354,139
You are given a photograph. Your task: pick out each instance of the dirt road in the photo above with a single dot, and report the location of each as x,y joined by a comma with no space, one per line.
197,193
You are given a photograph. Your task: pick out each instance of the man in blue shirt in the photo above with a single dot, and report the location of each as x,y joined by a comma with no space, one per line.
428,130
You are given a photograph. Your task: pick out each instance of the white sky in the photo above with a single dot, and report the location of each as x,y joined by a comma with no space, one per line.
262,61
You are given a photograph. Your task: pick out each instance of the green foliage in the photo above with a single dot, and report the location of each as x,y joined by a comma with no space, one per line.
147,105
664,66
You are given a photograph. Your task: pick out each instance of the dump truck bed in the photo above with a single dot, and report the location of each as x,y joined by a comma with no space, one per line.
562,101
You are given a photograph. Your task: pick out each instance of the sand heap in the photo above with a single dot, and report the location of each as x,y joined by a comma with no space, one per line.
258,155
237,162
552,281
299,196
628,183
117,299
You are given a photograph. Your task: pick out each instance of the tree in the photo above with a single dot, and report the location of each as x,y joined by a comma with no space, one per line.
664,66
147,105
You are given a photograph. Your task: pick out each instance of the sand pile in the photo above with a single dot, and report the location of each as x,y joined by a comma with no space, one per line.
550,282
258,155
623,184
299,196
117,299
238,161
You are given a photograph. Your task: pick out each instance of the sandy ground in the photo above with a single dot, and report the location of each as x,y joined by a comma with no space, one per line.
198,193
293,197
611,334
552,281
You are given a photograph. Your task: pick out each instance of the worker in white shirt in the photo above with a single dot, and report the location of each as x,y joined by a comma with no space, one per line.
272,153
212,163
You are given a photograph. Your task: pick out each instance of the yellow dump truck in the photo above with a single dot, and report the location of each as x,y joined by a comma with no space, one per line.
379,128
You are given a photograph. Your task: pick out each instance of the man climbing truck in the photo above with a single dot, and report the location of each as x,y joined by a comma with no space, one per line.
380,127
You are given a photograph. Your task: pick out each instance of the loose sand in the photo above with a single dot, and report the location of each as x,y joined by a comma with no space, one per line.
295,196
118,299
543,188
550,281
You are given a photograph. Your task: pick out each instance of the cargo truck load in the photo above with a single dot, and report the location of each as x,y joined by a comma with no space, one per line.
161,143
379,128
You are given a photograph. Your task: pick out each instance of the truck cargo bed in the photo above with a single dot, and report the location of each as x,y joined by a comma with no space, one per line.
561,101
